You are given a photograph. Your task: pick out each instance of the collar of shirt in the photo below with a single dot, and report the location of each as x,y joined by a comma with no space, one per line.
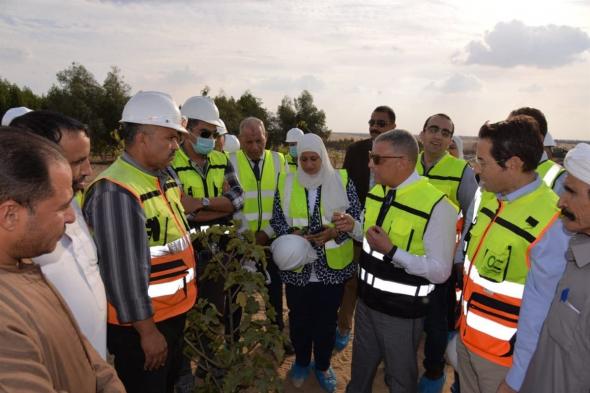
162,175
414,177
426,168
580,247
522,191
260,163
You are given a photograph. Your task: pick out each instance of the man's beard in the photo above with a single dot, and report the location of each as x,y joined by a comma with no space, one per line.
78,184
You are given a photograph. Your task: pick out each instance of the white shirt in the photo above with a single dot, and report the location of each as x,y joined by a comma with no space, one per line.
73,269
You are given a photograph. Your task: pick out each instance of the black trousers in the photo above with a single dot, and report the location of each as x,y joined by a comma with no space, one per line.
275,291
124,343
313,311
436,327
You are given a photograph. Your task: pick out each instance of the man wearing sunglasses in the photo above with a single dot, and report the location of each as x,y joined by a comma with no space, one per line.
514,256
355,162
212,191
408,241
456,179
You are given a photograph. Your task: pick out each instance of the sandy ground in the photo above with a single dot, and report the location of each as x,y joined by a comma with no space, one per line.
341,365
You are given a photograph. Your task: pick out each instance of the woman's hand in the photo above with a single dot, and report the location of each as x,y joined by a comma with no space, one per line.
319,239
343,222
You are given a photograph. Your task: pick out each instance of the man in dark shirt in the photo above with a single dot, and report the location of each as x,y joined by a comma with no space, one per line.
356,164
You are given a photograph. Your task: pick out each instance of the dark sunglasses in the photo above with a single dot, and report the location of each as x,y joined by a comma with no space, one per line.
377,159
378,123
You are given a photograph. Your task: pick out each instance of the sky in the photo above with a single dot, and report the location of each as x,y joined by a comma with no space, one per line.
475,60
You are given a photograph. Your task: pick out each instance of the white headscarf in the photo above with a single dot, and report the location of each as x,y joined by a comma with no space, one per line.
334,197
577,162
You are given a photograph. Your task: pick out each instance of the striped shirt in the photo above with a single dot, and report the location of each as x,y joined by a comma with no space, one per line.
118,223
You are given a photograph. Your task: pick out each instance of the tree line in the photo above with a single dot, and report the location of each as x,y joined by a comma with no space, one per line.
78,94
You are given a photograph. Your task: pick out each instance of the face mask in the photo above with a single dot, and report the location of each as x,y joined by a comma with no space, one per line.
204,145
293,151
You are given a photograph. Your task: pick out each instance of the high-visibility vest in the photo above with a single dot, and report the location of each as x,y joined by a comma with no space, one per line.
172,272
445,175
383,286
192,182
290,164
258,194
497,261
549,171
296,211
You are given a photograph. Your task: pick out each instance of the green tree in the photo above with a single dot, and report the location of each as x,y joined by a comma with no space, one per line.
12,96
302,113
229,111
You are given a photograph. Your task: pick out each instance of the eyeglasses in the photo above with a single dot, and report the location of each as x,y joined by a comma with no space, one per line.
476,162
443,131
376,158
204,133
378,123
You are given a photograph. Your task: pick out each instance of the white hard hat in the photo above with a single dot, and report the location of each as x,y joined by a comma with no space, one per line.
155,108
221,130
201,108
548,142
293,135
13,113
231,144
291,252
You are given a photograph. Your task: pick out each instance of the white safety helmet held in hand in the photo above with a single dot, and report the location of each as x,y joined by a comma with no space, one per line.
293,135
201,108
291,252
154,108
13,113
221,130
231,144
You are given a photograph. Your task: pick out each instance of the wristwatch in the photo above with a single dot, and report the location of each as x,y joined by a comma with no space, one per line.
205,202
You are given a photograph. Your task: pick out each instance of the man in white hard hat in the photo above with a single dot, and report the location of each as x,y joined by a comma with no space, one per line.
73,267
13,113
211,190
293,136
147,260
560,362
548,170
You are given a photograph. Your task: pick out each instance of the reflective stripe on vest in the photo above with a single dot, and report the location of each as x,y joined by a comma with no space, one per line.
496,266
446,174
395,287
171,253
192,182
258,194
551,175
296,212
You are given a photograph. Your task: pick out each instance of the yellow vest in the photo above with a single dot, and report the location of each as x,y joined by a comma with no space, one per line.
383,286
171,285
290,164
258,194
295,209
192,182
445,175
496,266
549,171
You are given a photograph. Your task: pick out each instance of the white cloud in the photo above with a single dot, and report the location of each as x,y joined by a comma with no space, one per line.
286,84
534,88
16,55
457,83
513,43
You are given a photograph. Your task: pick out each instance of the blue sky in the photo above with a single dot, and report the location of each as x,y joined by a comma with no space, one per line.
475,60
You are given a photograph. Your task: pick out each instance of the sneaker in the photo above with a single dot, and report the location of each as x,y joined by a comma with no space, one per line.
298,374
427,385
341,340
327,379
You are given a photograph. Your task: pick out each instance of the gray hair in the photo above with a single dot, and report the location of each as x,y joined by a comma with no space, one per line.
251,121
402,141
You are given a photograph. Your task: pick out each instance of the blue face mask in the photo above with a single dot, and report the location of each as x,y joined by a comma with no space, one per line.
293,151
204,145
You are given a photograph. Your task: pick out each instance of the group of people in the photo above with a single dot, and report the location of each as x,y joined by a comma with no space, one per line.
382,245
